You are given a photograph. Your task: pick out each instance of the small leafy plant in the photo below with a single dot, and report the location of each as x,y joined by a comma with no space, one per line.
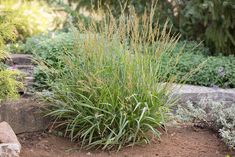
9,85
49,48
213,115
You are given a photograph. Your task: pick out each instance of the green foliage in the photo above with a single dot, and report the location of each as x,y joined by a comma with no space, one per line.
29,17
210,20
46,45
108,94
212,115
216,71
15,48
8,84
6,31
49,48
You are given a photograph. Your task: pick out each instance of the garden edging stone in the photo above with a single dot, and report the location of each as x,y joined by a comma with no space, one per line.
195,94
23,115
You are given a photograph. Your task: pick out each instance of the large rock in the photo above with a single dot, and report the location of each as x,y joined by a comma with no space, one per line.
23,115
9,144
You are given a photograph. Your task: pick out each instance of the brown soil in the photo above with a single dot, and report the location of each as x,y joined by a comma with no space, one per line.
184,141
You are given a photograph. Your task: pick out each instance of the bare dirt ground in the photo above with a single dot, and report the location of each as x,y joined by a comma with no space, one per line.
184,141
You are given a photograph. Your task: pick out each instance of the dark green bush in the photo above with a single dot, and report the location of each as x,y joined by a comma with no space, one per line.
211,21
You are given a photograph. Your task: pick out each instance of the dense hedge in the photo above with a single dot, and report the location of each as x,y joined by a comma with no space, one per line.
216,71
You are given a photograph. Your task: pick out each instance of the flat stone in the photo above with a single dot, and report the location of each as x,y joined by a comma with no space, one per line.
19,59
25,64
26,69
197,93
23,115
9,144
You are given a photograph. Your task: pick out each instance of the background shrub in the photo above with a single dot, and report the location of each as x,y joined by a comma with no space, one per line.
49,44
8,84
210,21
29,17
15,48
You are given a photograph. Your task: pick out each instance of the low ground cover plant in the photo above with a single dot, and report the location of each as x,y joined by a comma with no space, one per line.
217,71
213,115
109,92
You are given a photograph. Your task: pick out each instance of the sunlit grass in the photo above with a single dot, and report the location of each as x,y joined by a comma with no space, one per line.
110,93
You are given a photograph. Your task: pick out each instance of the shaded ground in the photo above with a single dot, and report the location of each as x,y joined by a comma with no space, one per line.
184,141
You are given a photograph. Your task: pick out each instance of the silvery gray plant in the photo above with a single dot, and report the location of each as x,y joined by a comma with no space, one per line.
214,115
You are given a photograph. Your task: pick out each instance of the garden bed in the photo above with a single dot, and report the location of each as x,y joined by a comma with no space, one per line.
179,141
107,83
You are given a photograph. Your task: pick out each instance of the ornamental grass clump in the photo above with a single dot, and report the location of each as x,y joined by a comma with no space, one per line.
110,93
